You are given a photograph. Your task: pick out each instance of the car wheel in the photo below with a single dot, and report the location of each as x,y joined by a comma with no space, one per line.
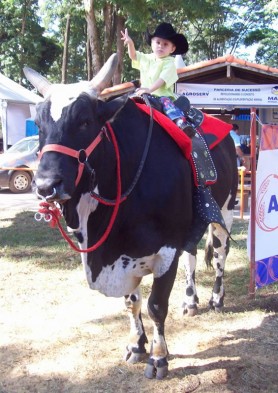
20,181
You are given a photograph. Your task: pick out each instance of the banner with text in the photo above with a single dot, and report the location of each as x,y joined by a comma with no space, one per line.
229,95
266,248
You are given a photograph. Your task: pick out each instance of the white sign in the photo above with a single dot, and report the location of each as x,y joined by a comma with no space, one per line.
266,215
229,95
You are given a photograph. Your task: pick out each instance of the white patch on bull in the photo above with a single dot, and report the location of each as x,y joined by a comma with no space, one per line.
133,305
125,274
190,262
228,215
87,204
85,207
62,96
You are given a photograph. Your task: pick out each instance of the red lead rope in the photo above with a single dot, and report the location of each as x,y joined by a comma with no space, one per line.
53,214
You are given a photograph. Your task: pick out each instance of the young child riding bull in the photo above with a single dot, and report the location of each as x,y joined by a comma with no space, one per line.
158,72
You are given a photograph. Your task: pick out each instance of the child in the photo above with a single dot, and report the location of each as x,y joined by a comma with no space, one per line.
158,72
158,75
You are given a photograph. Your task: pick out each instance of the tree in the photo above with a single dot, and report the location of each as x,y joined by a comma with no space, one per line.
66,50
65,23
267,46
220,27
21,39
73,38
266,38
213,27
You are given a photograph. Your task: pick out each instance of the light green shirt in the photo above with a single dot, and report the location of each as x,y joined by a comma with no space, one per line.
152,68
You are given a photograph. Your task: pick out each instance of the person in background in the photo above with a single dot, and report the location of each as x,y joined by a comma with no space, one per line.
158,72
236,138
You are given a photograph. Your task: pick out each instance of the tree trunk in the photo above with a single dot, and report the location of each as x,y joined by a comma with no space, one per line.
66,50
120,24
25,7
109,30
89,60
93,35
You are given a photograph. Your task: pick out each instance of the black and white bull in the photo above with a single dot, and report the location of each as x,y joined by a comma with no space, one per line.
153,222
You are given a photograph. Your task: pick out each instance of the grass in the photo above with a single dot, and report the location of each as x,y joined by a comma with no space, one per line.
23,239
56,335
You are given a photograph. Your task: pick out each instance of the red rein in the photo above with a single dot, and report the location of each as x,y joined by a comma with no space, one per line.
50,210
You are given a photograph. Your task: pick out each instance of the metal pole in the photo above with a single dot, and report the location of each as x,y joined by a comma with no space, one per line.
241,211
253,203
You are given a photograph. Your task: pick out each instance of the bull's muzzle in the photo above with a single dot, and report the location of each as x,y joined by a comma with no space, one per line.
47,197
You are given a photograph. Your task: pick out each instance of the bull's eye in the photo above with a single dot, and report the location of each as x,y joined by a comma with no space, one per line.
84,125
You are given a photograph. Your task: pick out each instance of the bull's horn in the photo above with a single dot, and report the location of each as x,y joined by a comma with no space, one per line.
37,80
105,75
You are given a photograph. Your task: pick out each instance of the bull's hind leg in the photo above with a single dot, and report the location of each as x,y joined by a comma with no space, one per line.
158,309
137,338
191,299
217,247
220,245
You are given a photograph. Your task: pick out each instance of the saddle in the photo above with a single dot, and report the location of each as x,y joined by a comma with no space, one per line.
208,132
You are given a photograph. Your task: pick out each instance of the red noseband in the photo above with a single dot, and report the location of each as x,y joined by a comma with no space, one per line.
81,155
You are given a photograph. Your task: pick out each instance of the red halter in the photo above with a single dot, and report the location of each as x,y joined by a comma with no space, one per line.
47,208
75,153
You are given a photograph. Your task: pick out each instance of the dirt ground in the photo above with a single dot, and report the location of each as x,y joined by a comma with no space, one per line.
59,336
56,335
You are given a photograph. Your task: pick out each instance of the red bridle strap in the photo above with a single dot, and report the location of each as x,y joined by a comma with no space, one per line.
74,153
47,208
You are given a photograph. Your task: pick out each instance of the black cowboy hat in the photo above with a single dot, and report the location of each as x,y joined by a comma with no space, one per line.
167,32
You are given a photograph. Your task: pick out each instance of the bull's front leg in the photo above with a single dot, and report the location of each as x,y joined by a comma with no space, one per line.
137,338
157,366
191,299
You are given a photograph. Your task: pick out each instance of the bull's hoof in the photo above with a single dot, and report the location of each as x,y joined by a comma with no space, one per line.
156,369
190,311
218,308
133,358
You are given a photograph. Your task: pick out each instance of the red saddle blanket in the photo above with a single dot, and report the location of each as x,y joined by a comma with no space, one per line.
214,130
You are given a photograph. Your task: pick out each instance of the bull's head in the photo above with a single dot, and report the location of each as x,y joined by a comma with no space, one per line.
70,116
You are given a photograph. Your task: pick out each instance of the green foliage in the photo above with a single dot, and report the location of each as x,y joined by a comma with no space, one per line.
268,48
33,34
21,39
54,20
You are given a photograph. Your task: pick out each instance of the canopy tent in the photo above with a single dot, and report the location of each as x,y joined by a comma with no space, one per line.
17,104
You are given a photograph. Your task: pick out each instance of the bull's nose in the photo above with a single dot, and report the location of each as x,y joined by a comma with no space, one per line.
44,187
50,197
51,191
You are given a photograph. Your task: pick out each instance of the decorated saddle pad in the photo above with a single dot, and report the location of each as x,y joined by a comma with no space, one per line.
213,129
196,150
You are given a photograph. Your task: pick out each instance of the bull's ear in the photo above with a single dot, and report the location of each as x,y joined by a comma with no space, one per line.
108,110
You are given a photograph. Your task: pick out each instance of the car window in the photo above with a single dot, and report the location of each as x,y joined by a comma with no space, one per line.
24,146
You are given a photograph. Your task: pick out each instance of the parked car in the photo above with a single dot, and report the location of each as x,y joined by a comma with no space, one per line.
24,155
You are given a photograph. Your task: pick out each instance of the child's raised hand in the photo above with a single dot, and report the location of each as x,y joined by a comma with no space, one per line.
129,43
125,37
